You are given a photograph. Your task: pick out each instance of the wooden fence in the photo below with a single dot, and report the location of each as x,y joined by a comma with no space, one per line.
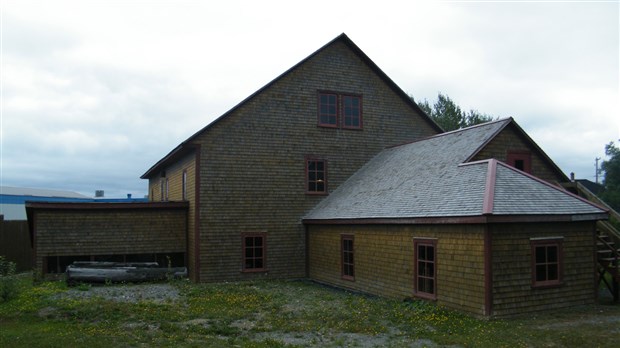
15,244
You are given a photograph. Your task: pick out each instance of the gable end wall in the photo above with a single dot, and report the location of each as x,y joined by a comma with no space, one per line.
252,176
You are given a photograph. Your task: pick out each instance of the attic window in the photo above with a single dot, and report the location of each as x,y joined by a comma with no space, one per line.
328,110
521,160
337,110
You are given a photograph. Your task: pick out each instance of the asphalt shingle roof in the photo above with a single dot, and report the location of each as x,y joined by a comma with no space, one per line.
427,178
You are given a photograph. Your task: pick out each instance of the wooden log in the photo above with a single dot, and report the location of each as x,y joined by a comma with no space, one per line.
92,274
107,264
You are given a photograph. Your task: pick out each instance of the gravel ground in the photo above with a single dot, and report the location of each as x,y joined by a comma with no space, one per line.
159,293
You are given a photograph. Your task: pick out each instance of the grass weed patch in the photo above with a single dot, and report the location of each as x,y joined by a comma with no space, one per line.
275,314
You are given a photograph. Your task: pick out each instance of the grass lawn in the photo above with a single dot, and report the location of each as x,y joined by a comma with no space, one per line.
274,314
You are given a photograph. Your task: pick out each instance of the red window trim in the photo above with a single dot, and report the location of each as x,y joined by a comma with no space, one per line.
427,242
307,180
546,242
343,263
263,235
340,118
520,155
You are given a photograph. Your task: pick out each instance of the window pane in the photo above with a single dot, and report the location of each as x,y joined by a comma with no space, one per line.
519,164
540,255
421,252
541,274
430,269
249,242
552,254
430,253
249,252
421,268
552,272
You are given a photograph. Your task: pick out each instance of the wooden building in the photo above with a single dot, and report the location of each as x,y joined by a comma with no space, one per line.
306,178
429,220
253,173
62,233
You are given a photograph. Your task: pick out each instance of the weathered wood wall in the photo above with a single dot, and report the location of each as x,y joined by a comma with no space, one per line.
174,174
384,261
512,267
252,162
510,140
88,229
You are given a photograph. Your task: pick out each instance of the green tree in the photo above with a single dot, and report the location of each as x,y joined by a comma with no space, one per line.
449,115
611,183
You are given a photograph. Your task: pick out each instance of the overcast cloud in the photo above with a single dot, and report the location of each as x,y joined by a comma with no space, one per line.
95,92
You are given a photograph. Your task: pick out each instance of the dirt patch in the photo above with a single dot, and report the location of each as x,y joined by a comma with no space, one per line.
158,293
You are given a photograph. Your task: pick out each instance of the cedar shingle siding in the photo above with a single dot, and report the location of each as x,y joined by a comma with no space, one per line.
384,263
97,230
512,280
252,161
509,140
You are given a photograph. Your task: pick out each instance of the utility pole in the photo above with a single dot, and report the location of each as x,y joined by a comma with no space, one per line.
596,171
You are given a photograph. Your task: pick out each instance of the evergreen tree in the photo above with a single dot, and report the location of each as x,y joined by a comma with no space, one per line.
449,115
611,183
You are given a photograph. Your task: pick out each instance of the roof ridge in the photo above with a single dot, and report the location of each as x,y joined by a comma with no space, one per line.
489,188
454,132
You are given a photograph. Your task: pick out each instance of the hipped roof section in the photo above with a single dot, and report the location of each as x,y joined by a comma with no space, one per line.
187,146
430,181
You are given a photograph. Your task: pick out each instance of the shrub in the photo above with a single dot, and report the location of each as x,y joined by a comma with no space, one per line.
8,282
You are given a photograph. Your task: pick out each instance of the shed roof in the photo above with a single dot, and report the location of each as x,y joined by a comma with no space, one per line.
431,179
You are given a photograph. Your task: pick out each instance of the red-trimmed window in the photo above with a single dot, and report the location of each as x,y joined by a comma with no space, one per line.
546,262
521,160
254,250
352,112
328,110
348,264
337,110
425,256
316,176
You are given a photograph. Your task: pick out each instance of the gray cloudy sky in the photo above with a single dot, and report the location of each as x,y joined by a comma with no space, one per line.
95,92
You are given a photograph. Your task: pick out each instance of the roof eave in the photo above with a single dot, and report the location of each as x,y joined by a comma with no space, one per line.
454,220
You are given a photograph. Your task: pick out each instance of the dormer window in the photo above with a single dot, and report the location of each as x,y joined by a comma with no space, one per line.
337,110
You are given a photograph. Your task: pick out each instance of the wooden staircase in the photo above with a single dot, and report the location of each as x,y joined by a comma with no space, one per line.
607,242
608,257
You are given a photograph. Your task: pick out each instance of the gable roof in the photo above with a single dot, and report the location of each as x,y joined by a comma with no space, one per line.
430,181
186,147
521,133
